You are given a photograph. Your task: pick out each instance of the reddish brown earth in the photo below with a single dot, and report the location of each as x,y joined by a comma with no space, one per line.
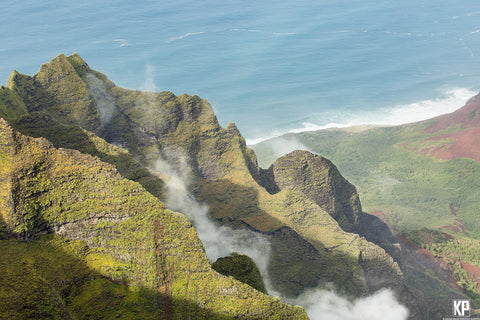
460,116
472,271
457,227
421,259
425,261
463,143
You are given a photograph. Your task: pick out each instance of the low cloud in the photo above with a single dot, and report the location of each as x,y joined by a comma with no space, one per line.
283,146
219,241
149,83
326,304
105,102
271,150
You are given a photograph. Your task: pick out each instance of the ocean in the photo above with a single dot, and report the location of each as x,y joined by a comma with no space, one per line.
269,66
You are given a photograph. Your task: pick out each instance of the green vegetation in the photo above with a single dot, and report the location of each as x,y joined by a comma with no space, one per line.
472,114
432,202
426,237
462,249
131,238
40,124
462,254
49,279
242,268
11,105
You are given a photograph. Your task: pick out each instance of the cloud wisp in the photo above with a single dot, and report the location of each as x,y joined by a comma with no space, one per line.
219,241
326,304
105,102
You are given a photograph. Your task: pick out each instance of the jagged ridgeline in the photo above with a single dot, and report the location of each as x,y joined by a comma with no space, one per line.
83,217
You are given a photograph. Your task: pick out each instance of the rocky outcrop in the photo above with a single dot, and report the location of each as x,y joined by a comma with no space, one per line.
319,180
242,268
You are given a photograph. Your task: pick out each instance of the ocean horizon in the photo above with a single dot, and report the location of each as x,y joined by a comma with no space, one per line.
271,68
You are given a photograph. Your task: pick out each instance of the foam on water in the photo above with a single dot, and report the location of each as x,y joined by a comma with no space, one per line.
450,101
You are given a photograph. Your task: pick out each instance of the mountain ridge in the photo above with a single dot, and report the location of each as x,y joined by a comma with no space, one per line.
66,98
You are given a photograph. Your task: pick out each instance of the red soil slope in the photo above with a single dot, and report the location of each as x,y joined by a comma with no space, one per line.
462,116
464,143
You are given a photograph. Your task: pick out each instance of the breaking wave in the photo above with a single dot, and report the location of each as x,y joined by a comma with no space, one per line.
450,101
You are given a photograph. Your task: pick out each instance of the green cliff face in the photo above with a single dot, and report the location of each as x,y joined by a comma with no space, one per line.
310,207
80,241
421,178
319,180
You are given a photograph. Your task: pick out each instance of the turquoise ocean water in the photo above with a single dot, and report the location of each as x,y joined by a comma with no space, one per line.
269,66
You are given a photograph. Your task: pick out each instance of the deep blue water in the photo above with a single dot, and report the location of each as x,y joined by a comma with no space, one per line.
269,66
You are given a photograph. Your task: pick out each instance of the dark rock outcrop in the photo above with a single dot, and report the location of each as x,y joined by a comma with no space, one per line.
242,268
319,179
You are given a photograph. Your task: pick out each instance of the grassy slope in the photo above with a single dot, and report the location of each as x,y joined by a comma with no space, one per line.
48,278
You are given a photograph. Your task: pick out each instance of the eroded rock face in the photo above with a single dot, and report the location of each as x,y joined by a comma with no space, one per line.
320,181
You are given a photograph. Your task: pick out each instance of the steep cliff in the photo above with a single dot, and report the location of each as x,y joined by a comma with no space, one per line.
80,241
311,207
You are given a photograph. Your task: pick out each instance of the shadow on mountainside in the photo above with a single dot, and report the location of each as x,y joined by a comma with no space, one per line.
4,231
430,279
291,271
295,264
39,124
49,279
307,271
377,231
